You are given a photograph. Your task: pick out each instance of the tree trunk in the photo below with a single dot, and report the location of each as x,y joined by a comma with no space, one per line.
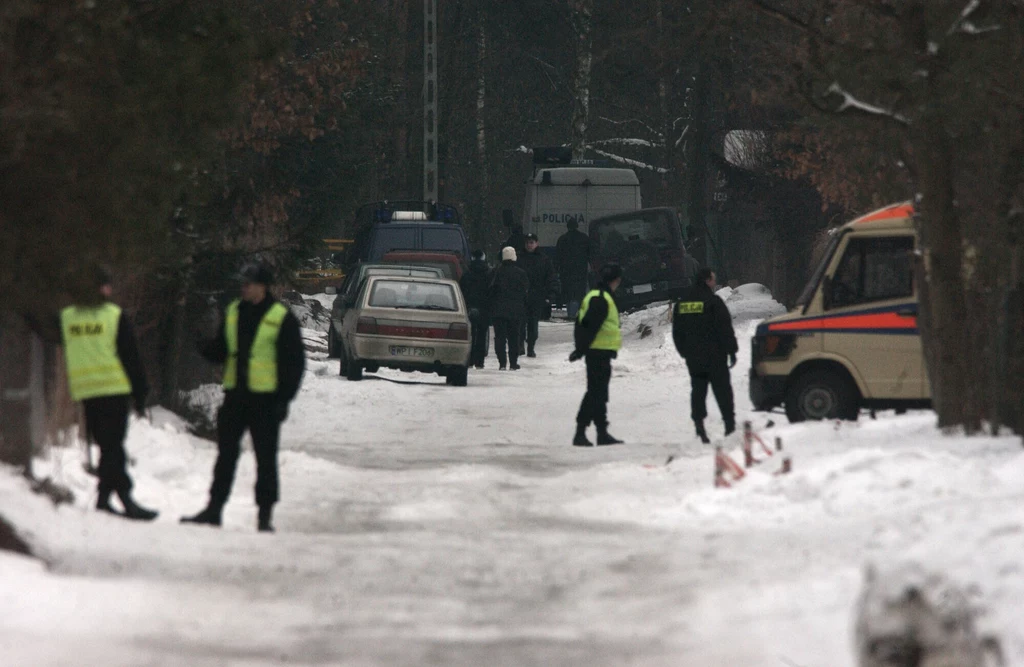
943,309
582,22
666,122
21,397
399,170
481,125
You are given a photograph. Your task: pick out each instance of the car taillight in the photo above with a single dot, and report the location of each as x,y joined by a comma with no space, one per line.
366,325
458,331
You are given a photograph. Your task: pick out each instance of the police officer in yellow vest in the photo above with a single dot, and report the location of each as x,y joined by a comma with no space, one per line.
105,372
260,346
598,340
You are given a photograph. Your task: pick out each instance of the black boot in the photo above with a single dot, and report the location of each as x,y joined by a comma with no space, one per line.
730,426
103,501
701,433
529,352
580,439
263,523
209,516
606,438
133,510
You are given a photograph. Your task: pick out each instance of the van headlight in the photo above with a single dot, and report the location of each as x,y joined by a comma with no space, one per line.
772,346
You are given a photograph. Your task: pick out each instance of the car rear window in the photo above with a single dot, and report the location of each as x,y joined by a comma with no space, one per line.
413,295
442,238
393,238
654,228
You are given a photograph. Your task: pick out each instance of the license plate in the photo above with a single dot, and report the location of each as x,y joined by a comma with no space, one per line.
642,289
406,351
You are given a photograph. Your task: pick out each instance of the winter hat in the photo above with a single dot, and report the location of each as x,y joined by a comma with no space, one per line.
508,254
531,237
478,255
257,272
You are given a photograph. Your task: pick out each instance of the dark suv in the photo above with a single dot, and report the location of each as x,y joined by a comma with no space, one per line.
648,244
386,226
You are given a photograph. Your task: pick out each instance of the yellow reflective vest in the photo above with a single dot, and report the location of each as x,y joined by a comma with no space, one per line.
262,354
90,348
609,336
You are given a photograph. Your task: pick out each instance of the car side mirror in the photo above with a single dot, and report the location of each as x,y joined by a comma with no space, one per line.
826,292
331,290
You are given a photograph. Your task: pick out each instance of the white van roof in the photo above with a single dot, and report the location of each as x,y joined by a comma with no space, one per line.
596,176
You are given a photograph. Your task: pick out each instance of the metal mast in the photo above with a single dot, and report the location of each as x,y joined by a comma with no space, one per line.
430,100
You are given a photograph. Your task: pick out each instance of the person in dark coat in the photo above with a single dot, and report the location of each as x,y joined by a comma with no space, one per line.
475,285
509,289
543,285
598,338
703,335
106,374
261,348
517,240
572,255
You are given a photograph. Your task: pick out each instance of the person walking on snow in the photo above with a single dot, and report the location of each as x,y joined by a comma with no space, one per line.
105,372
572,254
260,346
509,289
543,283
598,339
475,284
704,337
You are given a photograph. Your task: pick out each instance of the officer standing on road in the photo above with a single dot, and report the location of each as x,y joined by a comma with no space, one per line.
509,289
703,335
516,240
104,372
598,339
572,254
261,348
475,284
543,284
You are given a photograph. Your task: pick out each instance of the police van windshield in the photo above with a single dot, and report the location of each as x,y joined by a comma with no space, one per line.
812,284
442,238
654,228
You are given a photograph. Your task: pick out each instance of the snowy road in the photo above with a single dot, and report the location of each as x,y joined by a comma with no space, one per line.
422,524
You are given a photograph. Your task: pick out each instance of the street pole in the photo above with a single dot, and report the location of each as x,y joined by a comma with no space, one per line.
430,91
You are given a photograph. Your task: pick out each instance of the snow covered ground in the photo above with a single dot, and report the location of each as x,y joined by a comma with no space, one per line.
422,524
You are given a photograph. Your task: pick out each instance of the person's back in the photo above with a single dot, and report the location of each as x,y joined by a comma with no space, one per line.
510,287
476,284
573,253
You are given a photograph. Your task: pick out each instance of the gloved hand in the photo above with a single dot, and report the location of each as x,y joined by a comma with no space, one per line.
576,355
732,360
281,410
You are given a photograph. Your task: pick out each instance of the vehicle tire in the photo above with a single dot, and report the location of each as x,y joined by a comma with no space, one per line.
332,344
821,394
458,376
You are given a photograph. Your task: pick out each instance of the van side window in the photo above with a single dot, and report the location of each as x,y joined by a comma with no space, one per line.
874,269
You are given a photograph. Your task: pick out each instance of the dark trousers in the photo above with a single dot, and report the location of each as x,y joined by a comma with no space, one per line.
255,412
574,288
594,407
106,422
506,331
478,348
718,377
530,326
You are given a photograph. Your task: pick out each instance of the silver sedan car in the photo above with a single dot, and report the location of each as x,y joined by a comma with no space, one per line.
407,323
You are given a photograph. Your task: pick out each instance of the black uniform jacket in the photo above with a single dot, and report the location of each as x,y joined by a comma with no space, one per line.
541,273
291,357
702,329
572,252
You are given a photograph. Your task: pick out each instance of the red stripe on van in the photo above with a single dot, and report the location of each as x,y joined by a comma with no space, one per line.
865,322
889,213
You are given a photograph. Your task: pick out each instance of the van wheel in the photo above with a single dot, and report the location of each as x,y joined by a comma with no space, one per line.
820,395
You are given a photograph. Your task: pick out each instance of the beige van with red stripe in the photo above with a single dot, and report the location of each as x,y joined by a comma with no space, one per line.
852,341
